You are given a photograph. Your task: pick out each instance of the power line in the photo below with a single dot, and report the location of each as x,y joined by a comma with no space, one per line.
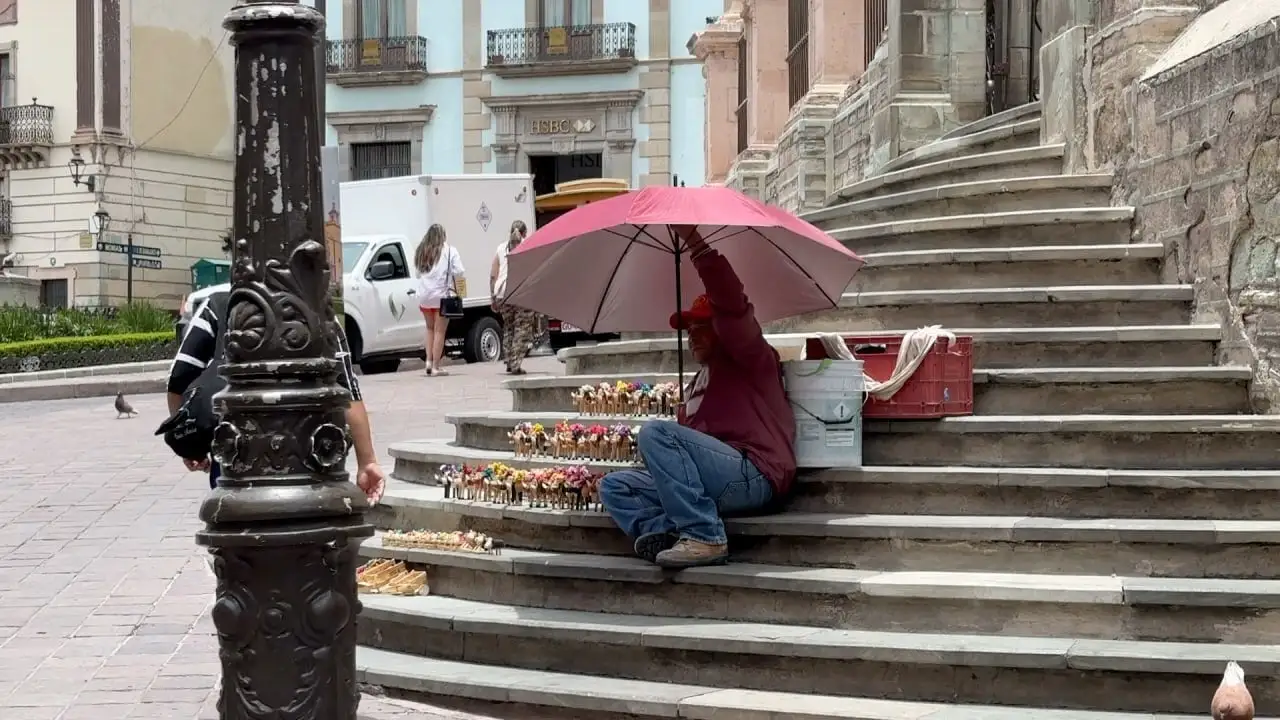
196,86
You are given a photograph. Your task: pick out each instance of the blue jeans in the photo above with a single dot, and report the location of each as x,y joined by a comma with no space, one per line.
689,481
215,472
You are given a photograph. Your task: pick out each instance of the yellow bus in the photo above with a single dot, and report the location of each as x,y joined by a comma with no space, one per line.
570,195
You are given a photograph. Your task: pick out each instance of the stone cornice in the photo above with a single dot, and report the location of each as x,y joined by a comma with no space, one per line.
593,99
420,114
718,39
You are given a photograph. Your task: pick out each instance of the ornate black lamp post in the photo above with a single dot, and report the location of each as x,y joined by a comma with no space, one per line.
284,522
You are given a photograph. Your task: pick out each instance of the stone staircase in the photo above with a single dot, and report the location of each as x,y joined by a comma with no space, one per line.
1094,543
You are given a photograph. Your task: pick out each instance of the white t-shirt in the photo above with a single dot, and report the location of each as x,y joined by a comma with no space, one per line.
694,392
433,284
500,285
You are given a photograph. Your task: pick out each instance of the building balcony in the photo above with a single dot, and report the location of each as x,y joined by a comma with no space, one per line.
377,61
578,50
26,135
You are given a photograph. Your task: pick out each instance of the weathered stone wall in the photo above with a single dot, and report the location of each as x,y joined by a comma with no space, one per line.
1201,162
798,175
17,290
852,158
747,173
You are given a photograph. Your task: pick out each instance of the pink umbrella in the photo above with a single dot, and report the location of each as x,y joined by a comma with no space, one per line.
615,265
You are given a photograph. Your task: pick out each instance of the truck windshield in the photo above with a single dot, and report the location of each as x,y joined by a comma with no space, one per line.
351,252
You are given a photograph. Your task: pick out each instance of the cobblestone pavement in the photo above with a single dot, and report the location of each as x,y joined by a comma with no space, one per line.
103,592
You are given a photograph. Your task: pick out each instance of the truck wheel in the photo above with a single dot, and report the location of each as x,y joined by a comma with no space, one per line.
483,342
379,365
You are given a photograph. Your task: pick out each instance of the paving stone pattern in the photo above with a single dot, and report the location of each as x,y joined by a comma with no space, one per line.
104,594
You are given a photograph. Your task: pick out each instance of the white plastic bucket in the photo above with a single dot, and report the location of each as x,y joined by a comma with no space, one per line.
826,397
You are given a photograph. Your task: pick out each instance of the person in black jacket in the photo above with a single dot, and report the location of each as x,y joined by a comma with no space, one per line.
198,349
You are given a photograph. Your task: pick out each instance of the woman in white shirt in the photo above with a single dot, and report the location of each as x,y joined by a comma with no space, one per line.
518,324
439,271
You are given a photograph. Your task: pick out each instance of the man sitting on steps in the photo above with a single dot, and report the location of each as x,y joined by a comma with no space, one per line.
731,450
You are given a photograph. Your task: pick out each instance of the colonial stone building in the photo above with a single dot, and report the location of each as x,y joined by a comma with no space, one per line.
1177,101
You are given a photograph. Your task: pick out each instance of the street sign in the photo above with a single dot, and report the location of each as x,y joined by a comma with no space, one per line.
147,263
123,249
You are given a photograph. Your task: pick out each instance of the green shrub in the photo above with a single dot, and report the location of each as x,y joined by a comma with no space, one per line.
21,323
54,346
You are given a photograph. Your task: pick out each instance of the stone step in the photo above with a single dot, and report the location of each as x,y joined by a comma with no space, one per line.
1020,162
902,490
1061,226
1036,605
1106,346
1044,192
501,691
1143,390
1019,134
1018,113
1027,307
1125,264
1011,670
929,543
1160,442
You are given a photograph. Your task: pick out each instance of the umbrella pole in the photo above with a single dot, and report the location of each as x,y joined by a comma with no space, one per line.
679,325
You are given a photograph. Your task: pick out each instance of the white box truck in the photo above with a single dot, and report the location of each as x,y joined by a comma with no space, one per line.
384,220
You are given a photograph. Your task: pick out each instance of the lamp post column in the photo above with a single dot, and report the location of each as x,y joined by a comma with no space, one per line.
285,520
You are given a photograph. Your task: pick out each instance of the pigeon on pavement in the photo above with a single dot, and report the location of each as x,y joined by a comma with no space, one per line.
123,408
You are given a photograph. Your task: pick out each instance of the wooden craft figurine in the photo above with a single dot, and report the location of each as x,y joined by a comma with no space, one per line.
541,441
584,400
455,540
522,439
624,398
572,487
562,440
666,398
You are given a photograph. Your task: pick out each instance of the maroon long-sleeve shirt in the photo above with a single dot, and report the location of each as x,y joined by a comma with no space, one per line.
744,404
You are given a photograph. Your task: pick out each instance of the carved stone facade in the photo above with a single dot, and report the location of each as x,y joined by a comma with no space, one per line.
566,123
926,76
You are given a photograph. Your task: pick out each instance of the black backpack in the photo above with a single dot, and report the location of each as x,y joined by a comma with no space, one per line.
189,433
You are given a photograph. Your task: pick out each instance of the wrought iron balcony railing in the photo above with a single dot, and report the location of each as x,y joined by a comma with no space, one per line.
27,125
406,54
608,45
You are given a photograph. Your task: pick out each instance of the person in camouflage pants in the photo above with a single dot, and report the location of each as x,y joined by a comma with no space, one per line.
518,333
519,325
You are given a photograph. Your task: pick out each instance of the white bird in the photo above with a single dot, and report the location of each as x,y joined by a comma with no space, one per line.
1232,701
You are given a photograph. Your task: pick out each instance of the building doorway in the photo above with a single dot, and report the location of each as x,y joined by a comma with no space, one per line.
551,170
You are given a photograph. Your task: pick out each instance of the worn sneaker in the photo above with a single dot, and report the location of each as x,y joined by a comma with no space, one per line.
648,546
693,553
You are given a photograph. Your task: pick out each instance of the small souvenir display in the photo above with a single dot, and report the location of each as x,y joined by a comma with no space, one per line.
572,487
457,540
627,398
391,577
575,441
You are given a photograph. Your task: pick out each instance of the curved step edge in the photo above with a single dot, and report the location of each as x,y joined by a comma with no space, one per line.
556,691
801,641
926,585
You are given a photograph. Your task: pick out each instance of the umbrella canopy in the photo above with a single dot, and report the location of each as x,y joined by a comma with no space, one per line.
614,265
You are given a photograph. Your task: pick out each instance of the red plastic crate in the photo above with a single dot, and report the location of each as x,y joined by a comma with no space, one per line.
942,386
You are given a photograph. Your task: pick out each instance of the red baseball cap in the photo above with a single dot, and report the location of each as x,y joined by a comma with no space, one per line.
699,311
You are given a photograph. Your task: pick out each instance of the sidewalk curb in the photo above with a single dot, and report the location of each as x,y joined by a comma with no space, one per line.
83,387
151,366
